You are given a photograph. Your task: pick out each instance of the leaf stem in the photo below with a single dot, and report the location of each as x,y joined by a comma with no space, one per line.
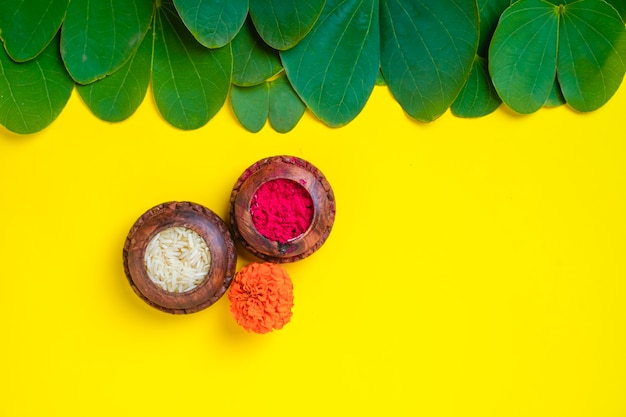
560,9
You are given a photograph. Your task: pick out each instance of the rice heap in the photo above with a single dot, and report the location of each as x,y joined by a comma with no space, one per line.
177,259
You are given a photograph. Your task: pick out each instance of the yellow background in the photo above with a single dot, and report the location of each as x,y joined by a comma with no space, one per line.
476,268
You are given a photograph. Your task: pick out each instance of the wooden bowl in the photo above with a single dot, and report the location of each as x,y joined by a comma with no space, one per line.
206,224
301,172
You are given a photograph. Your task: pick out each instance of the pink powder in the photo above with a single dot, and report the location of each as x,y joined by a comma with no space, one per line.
281,210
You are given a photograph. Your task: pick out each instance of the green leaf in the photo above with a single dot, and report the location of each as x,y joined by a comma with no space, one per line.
214,23
427,51
620,6
478,97
116,97
253,60
98,37
592,49
190,82
27,27
286,108
582,42
250,105
489,12
380,80
276,100
522,55
556,96
33,93
283,23
333,69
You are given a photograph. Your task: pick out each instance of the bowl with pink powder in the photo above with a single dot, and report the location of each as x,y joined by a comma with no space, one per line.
282,209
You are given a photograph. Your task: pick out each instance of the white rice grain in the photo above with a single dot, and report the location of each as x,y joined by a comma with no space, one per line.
177,259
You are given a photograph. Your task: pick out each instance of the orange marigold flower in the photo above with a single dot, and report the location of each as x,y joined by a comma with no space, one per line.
261,297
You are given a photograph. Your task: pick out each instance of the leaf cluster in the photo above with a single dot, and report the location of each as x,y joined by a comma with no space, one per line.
274,59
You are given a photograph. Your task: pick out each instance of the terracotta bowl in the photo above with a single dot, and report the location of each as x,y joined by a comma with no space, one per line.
206,224
301,172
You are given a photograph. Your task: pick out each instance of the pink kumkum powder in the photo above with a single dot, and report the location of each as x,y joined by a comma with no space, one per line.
281,210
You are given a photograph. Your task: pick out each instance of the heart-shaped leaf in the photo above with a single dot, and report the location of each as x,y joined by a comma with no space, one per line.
98,36
582,42
250,105
190,82
591,54
214,23
276,100
27,27
522,55
427,51
283,23
253,60
116,97
333,69
286,108
33,93
478,97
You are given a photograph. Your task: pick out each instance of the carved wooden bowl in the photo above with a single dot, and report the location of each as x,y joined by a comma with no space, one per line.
206,224
289,168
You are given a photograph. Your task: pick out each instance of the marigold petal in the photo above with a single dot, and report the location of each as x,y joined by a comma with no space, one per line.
261,297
